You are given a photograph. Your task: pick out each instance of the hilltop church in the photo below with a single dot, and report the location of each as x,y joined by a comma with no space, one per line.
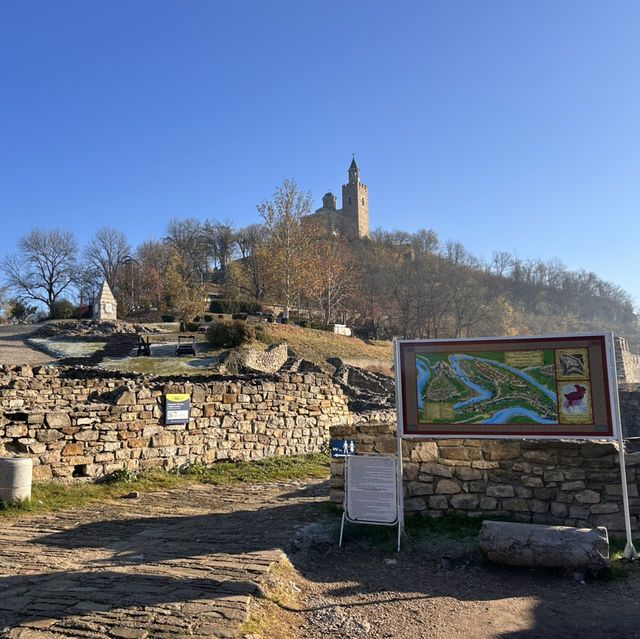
352,220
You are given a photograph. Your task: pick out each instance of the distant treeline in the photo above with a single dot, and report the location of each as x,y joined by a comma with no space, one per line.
395,283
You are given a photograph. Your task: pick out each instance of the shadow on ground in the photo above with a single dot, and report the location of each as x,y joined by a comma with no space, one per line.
192,563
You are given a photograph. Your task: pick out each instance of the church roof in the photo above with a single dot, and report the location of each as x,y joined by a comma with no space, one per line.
353,164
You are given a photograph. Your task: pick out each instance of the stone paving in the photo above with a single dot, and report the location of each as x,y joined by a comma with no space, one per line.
165,565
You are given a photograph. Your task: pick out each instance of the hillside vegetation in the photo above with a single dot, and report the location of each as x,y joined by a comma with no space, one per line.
319,346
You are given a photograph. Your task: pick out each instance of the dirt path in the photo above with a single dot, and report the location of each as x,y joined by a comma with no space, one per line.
366,590
14,349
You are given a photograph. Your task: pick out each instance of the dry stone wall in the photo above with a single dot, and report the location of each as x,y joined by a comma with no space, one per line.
568,483
627,363
75,422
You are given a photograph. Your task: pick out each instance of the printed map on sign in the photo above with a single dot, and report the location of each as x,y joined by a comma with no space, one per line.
506,387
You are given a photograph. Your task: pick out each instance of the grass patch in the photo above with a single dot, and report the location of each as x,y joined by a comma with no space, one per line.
52,496
317,346
273,613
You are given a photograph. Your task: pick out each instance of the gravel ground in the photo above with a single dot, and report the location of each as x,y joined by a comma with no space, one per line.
437,588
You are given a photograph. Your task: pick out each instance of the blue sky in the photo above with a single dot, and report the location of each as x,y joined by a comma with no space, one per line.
507,126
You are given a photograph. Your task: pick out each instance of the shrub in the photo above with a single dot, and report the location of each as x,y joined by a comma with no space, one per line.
62,309
230,307
21,311
168,318
239,316
208,318
229,334
320,326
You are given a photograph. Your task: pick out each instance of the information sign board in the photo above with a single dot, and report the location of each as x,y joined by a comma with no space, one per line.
178,409
541,387
371,489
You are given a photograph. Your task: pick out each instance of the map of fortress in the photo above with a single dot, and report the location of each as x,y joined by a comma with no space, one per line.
512,387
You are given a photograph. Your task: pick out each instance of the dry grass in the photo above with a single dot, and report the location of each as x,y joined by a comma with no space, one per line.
273,614
317,346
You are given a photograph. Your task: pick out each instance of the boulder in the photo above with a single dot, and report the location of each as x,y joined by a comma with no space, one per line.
542,546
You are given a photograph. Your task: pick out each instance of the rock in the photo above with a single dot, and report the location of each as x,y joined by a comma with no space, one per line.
541,546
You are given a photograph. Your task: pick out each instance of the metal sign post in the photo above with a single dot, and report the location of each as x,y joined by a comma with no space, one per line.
629,550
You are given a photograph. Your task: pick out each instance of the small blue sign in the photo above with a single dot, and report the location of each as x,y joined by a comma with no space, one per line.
343,447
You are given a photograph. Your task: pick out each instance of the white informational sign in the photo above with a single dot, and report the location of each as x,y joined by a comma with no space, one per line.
371,489
178,408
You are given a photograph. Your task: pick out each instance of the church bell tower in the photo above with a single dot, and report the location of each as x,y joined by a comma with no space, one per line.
355,202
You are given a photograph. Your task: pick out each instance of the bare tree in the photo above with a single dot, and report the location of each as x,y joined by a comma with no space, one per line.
220,238
188,238
44,267
105,252
333,278
287,240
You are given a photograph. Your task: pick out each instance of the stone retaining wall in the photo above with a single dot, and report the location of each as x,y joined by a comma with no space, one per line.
78,422
568,483
627,363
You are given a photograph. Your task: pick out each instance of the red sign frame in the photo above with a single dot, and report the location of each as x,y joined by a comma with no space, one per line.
561,386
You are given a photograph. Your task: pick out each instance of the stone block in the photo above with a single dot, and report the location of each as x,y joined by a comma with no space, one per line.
500,490
438,502
495,449
464,501
604,509
73,449
516,504
438,470
587,497
467,453
572,485
545,494
540,456
467,474
87,436
415,488
42,472
541,546
424,452
163,439
537,506
57,420
16,430
488,503
448,487
410,471
48,435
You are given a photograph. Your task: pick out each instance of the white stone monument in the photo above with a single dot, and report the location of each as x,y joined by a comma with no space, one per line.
105,306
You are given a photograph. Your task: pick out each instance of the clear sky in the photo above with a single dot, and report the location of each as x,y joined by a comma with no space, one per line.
505,125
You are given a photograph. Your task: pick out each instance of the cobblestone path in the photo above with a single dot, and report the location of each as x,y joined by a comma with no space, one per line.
173,564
